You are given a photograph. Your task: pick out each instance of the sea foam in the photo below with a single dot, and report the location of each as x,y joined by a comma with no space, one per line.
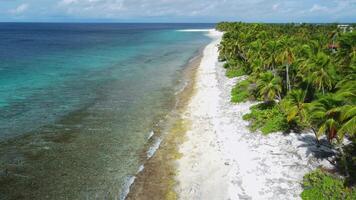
195,30
152,150
126,188
150,135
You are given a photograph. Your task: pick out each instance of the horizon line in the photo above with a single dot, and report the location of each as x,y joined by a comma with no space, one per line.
133,22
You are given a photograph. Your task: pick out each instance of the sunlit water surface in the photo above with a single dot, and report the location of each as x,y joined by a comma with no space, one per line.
78,103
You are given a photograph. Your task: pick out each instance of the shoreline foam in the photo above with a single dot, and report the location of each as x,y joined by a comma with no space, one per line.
156,179
223,159
195,30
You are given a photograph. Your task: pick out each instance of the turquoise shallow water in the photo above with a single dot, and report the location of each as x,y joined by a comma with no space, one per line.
78,101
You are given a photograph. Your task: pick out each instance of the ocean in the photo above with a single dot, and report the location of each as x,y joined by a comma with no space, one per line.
80,104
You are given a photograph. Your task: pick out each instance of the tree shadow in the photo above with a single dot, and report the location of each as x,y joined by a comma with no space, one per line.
319,150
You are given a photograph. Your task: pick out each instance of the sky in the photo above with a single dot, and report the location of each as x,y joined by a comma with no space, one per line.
177,10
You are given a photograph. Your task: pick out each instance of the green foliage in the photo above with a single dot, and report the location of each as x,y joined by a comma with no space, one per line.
348,162
234,72
233,68
239,96
310,70
267,117
298,65
240,92
332,117
269,86
322,186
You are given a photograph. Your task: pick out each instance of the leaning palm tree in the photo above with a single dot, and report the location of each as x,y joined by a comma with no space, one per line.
333,117
347,119
298,111
336,122
347,112
294,105
269,86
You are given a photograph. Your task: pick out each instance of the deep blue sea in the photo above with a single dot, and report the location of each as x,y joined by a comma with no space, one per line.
78,103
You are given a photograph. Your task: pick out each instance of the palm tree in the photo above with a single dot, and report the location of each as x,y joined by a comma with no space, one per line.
269,86
296,55
347,112
256,67
317,71
347,49
334,118
271,50
347,119
333,36
287,58
295,106
225,49
335,122
324,122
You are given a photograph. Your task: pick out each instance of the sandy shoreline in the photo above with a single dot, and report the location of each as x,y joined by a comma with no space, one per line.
156,179
222,159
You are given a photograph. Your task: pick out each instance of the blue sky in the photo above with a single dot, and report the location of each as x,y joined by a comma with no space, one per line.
178,10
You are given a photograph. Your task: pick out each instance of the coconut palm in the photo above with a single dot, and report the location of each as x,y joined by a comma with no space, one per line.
318,71
295,106
269,86
334,118
272,49
347,48
347,119
325,121
287,57
320,85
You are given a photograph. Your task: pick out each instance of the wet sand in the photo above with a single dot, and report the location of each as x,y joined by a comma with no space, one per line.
157,179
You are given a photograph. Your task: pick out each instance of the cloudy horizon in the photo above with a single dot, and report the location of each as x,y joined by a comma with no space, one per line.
178,10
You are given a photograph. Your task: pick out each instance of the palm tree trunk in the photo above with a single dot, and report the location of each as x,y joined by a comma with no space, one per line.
287,77
279,97
226,60
316,137
343,160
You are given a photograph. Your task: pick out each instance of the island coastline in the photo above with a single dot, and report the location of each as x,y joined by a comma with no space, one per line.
223,159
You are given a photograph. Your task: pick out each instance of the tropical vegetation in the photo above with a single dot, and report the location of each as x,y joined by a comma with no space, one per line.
321,185
305,77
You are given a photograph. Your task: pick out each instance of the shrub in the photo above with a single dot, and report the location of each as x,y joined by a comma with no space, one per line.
231,63
348,163
267,117
234,72
240,92
322,186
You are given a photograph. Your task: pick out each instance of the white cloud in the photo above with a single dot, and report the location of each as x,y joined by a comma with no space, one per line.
67,2
19,9
185,10
275,6
156,8
317,8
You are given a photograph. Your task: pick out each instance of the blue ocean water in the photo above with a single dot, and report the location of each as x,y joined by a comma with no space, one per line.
78,101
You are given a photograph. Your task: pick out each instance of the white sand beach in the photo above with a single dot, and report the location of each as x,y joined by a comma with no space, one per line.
222,159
